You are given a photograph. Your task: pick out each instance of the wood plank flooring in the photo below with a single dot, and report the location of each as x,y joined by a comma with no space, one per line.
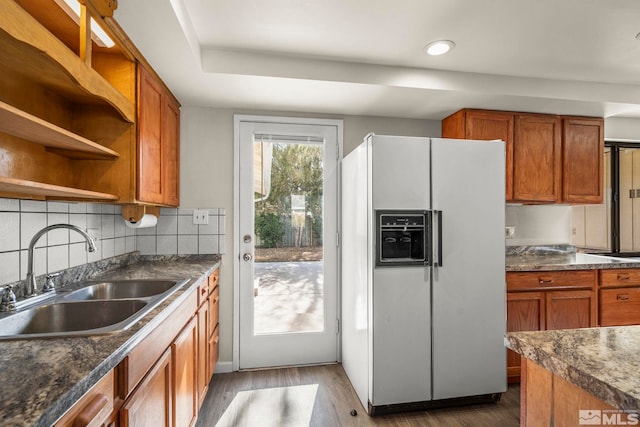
336,398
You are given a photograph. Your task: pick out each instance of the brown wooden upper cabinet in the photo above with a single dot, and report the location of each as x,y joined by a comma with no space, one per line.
583,159
158,142
549,158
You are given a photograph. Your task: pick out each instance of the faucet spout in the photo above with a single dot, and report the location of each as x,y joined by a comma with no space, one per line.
31,279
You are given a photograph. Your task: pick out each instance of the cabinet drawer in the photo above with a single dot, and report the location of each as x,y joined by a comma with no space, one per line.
620,306
214,279
94,408
137,363
538,280
203,292
214,309
617,278
213,350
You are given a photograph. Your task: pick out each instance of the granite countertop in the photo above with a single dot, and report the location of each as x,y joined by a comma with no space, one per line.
602,361
41,379
562,258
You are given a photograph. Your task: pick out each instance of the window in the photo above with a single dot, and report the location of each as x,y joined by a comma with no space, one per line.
614,226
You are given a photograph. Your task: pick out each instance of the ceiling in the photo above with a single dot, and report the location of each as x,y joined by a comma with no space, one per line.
365,57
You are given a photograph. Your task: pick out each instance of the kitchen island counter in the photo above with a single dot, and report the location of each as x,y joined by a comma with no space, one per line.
603,363
42,378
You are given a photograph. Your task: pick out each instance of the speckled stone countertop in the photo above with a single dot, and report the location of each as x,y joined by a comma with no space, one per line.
561,258
602,361
40,379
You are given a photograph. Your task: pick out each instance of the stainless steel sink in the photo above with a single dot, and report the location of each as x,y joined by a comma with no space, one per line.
71,317
92,309
121,289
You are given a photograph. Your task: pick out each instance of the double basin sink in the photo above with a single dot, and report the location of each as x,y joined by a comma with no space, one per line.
97,307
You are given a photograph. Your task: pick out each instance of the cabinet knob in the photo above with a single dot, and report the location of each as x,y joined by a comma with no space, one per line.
545,281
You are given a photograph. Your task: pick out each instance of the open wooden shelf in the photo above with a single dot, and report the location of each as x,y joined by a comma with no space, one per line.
29,48
24,125
42,190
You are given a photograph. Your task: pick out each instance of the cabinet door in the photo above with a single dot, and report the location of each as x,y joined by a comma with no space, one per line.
171,151
184,358
571,309
583,160
203,351
537,158
489,125
158,142
149,165
525,312
150,405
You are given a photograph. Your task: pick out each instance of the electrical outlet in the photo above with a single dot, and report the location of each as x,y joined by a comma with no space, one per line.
201,216
574,231
509,231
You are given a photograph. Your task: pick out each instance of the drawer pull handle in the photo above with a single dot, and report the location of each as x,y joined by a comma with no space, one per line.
215,300
623,297
545,281
91,411
623,277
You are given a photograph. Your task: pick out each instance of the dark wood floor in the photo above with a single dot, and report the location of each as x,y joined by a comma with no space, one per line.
336,398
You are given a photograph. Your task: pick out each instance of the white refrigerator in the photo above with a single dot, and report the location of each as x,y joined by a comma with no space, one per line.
431,331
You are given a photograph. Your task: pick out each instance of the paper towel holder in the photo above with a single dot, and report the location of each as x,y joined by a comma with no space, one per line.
134,213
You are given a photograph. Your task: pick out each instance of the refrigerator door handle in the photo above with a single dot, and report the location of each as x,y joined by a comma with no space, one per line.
428,239
437,237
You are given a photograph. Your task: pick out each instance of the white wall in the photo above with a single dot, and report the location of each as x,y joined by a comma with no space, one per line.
539,224
206,174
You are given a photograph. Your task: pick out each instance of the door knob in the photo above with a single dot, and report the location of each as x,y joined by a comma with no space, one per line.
247,238
247,257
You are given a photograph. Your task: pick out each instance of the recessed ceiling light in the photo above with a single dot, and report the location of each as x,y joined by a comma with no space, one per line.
439,47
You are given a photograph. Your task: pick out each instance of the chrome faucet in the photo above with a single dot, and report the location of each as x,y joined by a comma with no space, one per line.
30,288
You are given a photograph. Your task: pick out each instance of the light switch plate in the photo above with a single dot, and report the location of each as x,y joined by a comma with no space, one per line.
509,231
201,216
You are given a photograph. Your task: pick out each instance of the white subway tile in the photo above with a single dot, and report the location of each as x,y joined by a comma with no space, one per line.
108,248
9,231
108,209
211,228
77,208
208,244
187,244
33,206
130,244
167,224
167,245
57,258
222,224
9,205
186,225
77,254
120,245
79,220
119,227
58,236
39,264
30,224
94,208
168,211
57,207
108,226
146,245
10,267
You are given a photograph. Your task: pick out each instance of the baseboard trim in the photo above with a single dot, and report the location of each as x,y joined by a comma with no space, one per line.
223,368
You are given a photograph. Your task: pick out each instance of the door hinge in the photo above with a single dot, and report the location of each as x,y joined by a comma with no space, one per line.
337,240
337,326
337,151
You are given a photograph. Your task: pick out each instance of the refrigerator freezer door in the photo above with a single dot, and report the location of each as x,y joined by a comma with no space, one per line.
469,289
400,172
401,336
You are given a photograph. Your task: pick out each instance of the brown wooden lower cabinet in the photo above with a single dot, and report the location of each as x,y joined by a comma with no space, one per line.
549,300
184,361
94,408
150,405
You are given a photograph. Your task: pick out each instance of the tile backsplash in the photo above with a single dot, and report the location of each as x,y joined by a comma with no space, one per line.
61,249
